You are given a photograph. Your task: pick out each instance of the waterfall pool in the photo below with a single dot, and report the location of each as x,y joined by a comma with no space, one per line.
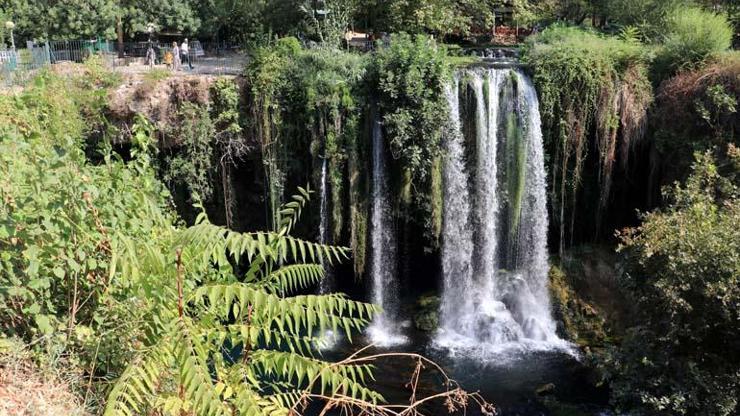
509,379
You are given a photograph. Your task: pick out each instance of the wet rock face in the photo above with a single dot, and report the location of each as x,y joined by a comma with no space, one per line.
426,316
588,301
545,389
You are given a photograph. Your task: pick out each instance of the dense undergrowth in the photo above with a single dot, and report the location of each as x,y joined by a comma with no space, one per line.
143,315
682,270
65,225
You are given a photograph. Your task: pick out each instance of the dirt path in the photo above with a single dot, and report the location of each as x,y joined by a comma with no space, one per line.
232,64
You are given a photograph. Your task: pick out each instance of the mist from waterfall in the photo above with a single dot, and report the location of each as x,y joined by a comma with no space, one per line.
384,330
494,235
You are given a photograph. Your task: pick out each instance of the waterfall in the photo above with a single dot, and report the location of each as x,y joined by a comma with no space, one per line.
326,283
494,236
383,331
486,204
457,246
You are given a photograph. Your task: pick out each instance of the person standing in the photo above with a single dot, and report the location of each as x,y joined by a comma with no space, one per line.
150,55
185,51
176,60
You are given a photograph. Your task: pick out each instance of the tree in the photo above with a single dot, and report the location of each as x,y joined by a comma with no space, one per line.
75,19
232,19
683,270
166,15
78,19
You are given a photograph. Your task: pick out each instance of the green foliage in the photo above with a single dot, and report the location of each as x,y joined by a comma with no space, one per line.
587,82
166,15
193,165
719,102
155,75
67,19
225,102
238,343
438,16
329,29
683,270
693,36
64,222
695,111
268,76
409,76
408,79
78,19
3,31
317,101
328,87
648,18
426,315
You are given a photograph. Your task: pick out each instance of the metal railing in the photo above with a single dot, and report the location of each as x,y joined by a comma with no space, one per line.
76,50
16,66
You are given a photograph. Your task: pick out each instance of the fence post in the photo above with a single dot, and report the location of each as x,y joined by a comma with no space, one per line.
47,53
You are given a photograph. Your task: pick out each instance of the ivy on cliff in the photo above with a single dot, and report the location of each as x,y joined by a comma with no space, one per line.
407,78
312,115
591,87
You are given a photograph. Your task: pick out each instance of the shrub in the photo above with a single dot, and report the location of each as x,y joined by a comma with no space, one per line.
649,17
407,79
683,270
693,36
63,222
409,76
694,111
193,166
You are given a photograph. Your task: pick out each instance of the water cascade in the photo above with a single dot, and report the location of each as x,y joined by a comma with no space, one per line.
326,283
457,247
494,235
384,329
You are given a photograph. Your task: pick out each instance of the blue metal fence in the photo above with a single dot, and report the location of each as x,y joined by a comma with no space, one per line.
16,66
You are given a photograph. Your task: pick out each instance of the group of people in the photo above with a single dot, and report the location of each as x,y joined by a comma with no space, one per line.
179,55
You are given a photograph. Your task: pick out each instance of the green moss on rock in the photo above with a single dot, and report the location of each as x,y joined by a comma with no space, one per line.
587,299
426,315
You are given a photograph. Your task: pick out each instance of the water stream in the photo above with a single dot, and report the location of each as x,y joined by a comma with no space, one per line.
384,330
494,250
326,284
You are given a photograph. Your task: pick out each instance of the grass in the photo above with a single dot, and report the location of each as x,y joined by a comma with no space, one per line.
26,389
156,75
461,61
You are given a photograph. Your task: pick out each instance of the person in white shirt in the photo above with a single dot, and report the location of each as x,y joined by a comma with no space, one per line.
185,51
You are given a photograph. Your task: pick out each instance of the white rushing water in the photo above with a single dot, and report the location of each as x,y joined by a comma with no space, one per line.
384,330
457,247
329,339
494,245
325,286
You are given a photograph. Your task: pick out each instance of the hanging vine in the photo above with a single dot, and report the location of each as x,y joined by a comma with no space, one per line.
590,88
267,75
